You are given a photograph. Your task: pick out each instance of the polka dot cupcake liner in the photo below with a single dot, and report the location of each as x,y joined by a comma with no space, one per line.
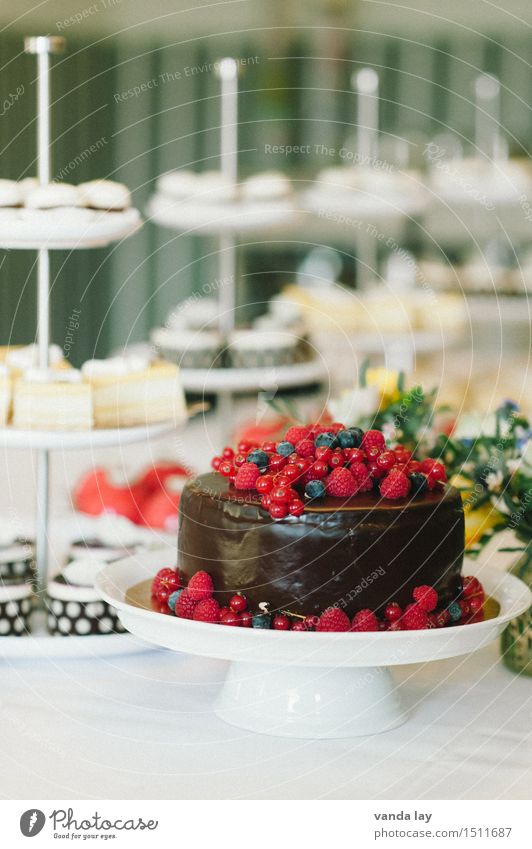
78,611
17,564
15,609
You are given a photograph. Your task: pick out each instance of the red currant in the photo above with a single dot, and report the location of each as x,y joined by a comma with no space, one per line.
238,603
281,494
291,472
311,622
393,612
215,463
278,511
277,462
386,460
373,452
239,460
323,453
413,466
337,459
230,618
319,470
281,622
303,464
355,455
264,484
475,604
465,608
269,447
296,507
226,468
266,501
471,587
375,470
246,619
228,453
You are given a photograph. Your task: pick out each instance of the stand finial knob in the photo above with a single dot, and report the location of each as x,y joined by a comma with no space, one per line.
44,44
227,68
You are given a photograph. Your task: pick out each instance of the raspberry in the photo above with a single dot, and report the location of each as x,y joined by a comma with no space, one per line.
362,477
472,587
341,483
228,453
426,597
185,606
333,619
414,618
395,485
296,433
247,476
305,448
365,620
207,610
373,439
200,586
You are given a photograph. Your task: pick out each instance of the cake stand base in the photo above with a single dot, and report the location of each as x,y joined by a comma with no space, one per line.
310,702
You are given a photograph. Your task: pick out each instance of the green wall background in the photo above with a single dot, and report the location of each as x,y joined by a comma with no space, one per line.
290,95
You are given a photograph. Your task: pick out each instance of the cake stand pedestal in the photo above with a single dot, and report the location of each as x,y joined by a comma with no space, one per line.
320,686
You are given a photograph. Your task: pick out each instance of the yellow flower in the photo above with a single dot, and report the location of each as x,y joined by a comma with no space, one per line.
386,382
478,520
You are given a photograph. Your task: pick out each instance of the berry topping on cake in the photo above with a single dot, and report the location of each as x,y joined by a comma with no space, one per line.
207,610
365,620
333,619
305,448
395,485
238,603
200,586
285,448
455,611
418,482
393,612
247,476
326,440
341,483
281,622
426,597
361,476
260,458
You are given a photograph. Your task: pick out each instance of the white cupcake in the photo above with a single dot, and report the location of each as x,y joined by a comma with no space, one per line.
261,348
189,348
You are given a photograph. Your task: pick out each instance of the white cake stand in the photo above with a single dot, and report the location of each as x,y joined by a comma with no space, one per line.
306,685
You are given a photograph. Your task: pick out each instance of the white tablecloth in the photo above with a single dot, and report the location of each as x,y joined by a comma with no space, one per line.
143,727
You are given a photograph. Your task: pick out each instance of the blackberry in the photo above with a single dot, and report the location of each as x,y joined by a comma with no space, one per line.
419,483
315,489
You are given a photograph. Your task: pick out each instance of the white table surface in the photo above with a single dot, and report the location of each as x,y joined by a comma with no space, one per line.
142,726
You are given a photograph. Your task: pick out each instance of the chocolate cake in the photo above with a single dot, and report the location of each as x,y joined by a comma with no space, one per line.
362,552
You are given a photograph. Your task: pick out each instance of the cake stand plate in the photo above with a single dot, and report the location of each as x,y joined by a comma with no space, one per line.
306,685
65,229
40,644
252,379
215,218
11,437
352,205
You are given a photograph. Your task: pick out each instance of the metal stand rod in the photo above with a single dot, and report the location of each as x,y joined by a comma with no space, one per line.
43,46
228,73
366,84
487,116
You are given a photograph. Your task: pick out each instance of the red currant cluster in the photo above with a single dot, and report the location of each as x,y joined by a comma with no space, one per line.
196,601
316,460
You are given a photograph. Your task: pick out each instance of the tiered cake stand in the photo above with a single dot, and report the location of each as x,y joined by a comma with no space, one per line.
305,685
96,231
227,220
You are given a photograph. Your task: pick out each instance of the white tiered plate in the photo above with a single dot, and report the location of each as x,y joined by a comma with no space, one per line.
40,644
65,229
252,379
50,440
299,684
353,204
232,216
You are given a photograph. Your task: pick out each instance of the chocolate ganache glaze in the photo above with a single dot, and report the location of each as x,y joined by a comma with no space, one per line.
361,553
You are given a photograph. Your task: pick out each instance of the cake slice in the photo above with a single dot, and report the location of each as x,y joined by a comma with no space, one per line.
44,399
132,391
